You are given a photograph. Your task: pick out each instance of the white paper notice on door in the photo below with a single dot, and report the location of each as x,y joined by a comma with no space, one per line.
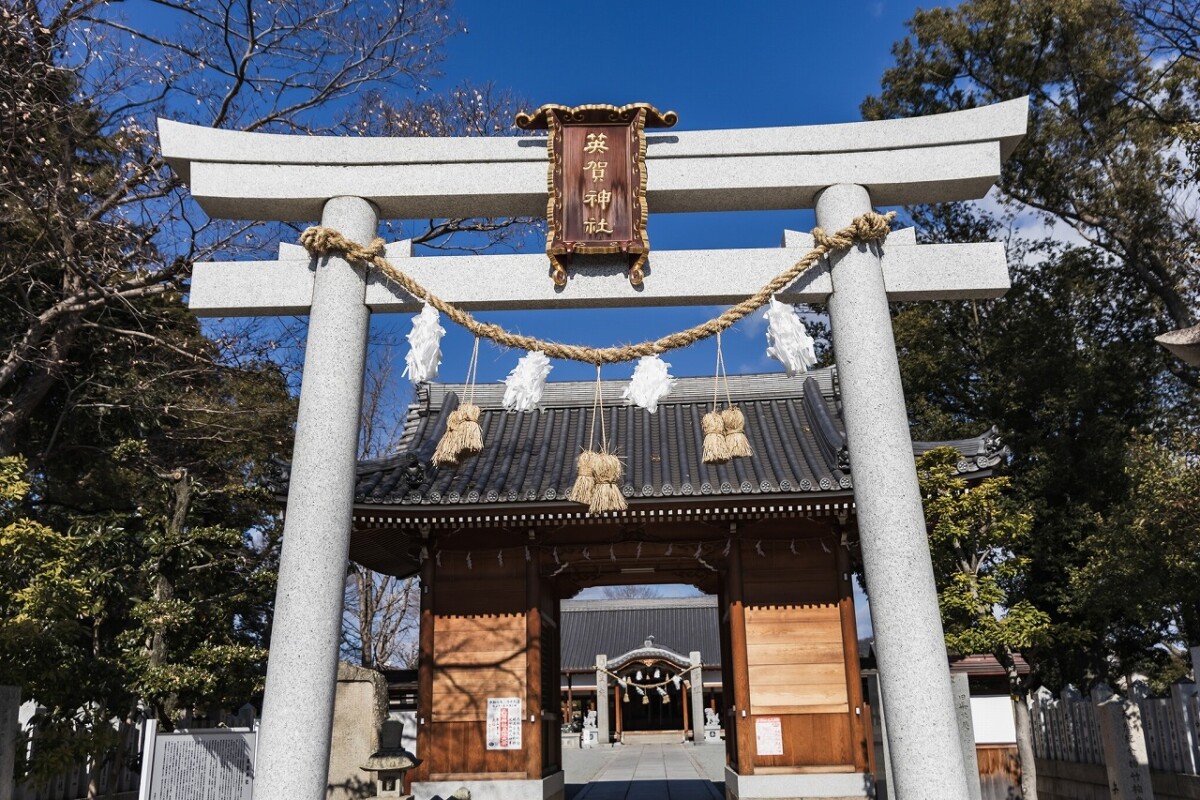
504,723
768,736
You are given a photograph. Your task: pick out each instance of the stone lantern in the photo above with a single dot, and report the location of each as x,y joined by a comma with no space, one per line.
391,761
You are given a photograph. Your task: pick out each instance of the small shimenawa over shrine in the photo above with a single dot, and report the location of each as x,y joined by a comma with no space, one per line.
760,489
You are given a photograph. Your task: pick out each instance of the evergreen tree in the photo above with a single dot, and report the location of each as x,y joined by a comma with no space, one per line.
1097,206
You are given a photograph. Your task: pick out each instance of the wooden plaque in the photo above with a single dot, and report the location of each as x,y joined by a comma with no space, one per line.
597,181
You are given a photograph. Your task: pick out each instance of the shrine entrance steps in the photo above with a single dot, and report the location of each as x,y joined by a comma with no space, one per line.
646,772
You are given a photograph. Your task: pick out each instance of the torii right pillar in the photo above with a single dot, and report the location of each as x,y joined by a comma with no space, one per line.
909,643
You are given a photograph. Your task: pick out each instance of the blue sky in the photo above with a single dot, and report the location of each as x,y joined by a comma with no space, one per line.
718,65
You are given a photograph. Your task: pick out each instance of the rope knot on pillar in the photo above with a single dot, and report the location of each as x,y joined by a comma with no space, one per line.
321,241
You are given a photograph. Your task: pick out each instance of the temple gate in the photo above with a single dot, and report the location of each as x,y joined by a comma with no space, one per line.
775,540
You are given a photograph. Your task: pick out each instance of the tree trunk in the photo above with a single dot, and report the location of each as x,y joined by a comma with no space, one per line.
1025,753
366,617
123,739
93,787
97,756
1019,692
34,387
164,587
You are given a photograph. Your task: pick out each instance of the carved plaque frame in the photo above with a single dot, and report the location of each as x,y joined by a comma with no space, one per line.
597,181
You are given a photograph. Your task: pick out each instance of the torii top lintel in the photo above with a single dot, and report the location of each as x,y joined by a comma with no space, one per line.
264,176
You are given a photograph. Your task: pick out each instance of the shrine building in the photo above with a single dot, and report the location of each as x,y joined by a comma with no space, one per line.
505,658
626,654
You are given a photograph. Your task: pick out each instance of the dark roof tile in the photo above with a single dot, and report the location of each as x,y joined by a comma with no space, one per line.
793,424
614,627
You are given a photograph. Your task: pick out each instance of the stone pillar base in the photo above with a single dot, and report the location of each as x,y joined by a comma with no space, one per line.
549,788
798,786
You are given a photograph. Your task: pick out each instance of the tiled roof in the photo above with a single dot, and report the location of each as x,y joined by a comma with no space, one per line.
794,426
615,627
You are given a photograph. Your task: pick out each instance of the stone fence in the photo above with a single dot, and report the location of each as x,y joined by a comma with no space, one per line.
1126,748
118,777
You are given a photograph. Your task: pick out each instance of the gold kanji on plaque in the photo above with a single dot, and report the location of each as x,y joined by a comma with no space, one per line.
597,181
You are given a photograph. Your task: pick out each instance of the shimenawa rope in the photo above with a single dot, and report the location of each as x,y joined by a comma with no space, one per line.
870,227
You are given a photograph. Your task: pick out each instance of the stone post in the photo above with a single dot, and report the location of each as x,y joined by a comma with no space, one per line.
602,699
359,710
922,731
1196,665
883,758
293,745
966,732
696,676
1124,742
1183,695
10,705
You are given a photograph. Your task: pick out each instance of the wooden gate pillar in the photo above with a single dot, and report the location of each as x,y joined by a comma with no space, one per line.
739,665
425,667
533,670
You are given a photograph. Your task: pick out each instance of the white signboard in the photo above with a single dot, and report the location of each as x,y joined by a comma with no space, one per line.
504,723
768,735
213,764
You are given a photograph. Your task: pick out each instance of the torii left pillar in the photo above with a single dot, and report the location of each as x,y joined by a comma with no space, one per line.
294,739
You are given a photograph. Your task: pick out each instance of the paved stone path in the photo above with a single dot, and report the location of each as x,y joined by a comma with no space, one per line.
646,772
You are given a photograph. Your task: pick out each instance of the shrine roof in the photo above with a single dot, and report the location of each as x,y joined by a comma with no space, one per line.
616,627
528,462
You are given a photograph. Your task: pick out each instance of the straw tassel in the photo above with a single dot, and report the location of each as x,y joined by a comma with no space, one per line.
446,454
470,434
716,449
736,442
606,494
585,482
463,437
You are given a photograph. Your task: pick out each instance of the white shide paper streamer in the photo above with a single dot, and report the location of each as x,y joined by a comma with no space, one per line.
788,340
424,346
523,386
651,383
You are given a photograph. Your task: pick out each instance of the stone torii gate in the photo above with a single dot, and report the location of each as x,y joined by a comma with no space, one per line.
841,170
